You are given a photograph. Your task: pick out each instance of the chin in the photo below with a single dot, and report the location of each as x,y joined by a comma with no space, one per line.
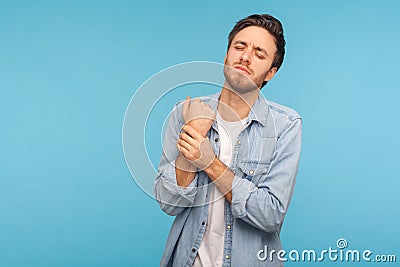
239,82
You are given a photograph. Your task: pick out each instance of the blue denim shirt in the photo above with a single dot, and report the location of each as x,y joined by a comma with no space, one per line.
265,161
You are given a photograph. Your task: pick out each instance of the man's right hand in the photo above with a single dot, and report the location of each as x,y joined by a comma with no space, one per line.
198,115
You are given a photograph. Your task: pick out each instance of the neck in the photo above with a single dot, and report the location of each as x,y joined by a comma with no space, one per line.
233,106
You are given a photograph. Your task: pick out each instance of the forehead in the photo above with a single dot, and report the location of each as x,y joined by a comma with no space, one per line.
256,36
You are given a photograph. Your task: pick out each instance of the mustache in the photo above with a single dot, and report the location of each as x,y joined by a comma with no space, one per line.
243,67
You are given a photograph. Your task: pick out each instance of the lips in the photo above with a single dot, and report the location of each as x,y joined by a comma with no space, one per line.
242,69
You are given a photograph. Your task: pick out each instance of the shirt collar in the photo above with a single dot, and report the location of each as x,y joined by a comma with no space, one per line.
259,111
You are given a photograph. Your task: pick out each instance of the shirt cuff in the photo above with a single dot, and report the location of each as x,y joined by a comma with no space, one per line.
241,191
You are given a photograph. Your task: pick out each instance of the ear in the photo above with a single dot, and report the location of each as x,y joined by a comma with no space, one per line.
225,59
270,74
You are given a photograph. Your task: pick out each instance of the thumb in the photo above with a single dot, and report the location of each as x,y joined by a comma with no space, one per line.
186,105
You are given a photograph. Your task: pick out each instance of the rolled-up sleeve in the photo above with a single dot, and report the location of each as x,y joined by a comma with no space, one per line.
264,205
172,198
242,189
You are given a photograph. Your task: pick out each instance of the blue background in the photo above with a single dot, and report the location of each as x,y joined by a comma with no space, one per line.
68,70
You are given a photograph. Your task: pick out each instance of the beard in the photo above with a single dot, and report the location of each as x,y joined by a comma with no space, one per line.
240,82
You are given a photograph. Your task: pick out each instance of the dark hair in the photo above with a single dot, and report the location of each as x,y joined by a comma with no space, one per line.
269,23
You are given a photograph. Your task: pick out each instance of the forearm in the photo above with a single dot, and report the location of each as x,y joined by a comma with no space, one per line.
222,177
185,171
256,206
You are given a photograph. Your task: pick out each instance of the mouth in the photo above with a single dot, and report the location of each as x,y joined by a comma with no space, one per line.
242,69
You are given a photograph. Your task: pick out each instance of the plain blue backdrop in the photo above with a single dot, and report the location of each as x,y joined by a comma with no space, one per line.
69,69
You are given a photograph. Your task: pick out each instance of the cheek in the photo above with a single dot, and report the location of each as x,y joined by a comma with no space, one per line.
263,71
230,57
260,76
227,60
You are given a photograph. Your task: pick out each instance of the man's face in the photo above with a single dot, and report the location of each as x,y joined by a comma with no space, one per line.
249,59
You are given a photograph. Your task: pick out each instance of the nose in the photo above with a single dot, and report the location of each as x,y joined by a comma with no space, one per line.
245,57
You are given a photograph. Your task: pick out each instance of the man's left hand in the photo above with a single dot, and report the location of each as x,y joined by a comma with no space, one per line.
195,147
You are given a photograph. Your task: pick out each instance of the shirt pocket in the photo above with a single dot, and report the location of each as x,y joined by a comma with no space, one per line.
253,170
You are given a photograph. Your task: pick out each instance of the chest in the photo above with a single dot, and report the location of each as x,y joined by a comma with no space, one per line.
252,151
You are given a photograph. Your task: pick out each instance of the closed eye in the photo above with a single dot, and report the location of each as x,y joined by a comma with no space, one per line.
261,52
260,56
240,45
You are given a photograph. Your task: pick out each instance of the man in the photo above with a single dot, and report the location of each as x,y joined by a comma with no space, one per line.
230,160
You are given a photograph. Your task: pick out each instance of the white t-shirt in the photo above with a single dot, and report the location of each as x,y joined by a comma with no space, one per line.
210,252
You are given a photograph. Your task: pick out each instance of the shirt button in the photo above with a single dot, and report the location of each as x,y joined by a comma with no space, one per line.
251,171
238,142
203,223
226,256
229,227
216,139
193,250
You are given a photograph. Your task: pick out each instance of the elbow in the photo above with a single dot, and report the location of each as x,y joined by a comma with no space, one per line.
171,209
268,217
169,202
274,211
166,207
274,217
273,224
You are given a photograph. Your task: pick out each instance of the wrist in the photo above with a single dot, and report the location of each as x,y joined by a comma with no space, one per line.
203,132
210,166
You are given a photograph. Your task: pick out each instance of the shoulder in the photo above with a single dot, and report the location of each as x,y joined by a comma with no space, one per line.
284,111
283,117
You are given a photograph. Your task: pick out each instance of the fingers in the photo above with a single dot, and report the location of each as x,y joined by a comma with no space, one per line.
186,143
192,132
183,146
187,138
184,151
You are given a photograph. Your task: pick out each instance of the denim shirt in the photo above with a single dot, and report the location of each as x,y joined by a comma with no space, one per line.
265,160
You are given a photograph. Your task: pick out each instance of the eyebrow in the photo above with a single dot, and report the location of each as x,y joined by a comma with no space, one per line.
258,48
